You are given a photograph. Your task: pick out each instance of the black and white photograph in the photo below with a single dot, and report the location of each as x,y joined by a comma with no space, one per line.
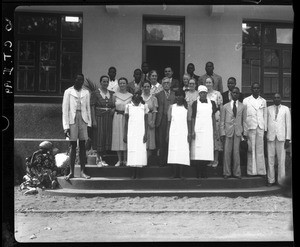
148,123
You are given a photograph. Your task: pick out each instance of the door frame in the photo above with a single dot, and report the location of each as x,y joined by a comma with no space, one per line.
179,20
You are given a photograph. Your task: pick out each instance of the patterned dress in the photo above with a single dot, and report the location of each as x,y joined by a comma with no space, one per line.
41,169
156,89
121,99
151,101
216,96
102,134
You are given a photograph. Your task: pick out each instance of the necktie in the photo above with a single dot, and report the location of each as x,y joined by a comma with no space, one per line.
276,112
234,108
167,94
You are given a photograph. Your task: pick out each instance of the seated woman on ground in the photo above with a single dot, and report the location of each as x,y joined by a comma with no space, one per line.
40,167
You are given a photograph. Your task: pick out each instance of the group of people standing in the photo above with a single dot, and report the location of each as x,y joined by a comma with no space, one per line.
188,122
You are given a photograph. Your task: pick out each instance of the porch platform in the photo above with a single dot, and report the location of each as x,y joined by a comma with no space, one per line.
114,181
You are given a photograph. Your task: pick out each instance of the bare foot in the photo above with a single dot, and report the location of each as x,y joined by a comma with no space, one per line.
83,175
67,178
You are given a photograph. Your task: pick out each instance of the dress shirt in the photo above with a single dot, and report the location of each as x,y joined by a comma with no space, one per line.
78,103
113,85
236,103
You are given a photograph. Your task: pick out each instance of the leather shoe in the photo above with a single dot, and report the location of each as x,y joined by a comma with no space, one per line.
270,184
225,177
238,177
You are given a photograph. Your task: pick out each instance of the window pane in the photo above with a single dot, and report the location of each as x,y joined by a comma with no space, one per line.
163,32
71,46
52,80
71,64
38,25
270,35
251,33
287,58
48,51
21,80
271,79
286,86
270,85
267,85
250,67
71,29
25,78
43,80
284,35
26,52
271,58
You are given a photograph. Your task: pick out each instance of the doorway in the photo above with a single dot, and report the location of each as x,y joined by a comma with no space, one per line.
163,44
160,57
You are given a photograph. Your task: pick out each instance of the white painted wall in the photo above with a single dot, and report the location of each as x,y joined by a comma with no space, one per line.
116,39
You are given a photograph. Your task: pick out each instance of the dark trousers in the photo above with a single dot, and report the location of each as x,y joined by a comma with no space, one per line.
201,168
162,143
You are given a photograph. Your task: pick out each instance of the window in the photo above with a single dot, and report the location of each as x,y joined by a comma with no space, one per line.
49,52
163,32
266,58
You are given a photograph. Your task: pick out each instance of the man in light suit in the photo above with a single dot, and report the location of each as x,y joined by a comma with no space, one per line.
76,118
165,98
256,129
232,127
209,68
278,136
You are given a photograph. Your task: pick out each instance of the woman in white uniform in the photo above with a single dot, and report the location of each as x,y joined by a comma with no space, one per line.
202,146
135,133
177,132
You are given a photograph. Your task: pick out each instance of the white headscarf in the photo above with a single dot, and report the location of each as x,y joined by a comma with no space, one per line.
202,88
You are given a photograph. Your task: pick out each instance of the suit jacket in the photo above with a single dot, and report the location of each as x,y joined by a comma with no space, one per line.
225,97
69,107
163,105
229,124
281,127
256,112
218,84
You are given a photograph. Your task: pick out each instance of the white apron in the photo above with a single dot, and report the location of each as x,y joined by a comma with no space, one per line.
136,149
202,147
178,144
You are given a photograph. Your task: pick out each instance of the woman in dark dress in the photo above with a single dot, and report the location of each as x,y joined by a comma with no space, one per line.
102,110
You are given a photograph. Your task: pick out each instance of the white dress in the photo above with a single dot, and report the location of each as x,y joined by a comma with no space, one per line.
202,147
179,152
136,149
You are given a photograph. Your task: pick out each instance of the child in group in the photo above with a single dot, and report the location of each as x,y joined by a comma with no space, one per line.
177,132
135,133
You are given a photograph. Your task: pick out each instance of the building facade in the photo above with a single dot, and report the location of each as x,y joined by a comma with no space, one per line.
53,43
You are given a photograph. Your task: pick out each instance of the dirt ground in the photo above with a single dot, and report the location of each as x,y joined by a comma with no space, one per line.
46,218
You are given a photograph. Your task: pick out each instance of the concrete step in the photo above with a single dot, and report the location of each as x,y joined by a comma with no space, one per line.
148,171
180,193
125,183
